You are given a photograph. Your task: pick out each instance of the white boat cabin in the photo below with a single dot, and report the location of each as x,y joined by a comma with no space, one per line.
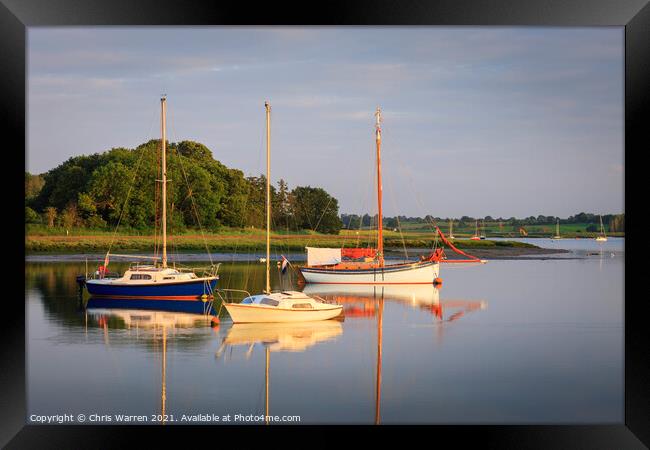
286,300
152,274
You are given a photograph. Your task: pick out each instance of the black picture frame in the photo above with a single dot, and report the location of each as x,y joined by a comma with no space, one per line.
17,15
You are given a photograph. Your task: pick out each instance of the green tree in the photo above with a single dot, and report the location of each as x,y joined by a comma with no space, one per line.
70,216
86,205
281,206
109,187
234,203
33,185
256,202
617,223
50,214
194,150
31,216
315,209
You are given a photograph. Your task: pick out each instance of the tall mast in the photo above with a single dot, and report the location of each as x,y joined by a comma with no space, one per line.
268,195
163,106
380,231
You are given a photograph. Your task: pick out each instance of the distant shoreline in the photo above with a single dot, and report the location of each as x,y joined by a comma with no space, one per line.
495,253
242,242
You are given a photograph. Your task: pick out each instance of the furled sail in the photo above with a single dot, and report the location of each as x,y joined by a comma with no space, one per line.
317,256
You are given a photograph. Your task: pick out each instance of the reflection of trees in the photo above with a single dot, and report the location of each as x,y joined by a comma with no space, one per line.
250,276
57,286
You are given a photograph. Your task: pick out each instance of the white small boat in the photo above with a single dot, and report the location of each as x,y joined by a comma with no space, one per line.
476,236
557,231
602,237
286,306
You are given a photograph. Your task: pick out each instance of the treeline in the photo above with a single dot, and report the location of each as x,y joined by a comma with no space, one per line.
91,190
613,222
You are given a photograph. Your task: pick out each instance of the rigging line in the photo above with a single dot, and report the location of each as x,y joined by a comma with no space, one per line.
390,180
313,229
417,197
399,224
196,213
367,199
309,221
324,211
128,194
362,201
244,216
156,219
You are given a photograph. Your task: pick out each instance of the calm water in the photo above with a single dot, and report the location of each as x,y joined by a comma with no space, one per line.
512,341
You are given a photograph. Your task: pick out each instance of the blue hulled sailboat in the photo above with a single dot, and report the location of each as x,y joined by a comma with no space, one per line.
155,284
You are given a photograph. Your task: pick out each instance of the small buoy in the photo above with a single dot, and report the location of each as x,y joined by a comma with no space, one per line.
437,280
215,321
204,298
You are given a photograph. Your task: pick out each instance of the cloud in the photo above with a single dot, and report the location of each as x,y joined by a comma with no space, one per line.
459,103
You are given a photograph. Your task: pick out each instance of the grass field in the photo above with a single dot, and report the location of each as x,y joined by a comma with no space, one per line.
492,229
38,240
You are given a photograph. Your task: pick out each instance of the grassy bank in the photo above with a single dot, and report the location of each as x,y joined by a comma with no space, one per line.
492,229
250,240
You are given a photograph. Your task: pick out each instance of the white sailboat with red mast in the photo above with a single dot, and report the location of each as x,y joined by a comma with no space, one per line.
325,265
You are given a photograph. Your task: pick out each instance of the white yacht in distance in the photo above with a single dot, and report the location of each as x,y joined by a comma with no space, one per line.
557,231
602,237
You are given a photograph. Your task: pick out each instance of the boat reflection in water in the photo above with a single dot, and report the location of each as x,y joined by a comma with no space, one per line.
194,307
367,301
361,301
279,337
152,327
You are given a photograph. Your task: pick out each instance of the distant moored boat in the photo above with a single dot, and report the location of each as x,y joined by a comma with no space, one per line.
602,237
557,230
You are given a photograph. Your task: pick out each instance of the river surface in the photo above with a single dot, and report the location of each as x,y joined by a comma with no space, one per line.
512,341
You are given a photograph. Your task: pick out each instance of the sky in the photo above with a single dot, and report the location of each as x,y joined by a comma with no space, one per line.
477,121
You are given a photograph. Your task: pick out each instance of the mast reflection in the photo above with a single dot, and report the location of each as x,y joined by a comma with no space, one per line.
367,301
278,337
152,327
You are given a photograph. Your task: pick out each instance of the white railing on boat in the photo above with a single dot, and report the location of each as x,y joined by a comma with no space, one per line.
226,297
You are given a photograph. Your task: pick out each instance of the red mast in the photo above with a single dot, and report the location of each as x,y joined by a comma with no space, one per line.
380,236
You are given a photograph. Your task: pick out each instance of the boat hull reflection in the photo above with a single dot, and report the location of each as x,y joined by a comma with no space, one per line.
180,306
291,337
425,297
